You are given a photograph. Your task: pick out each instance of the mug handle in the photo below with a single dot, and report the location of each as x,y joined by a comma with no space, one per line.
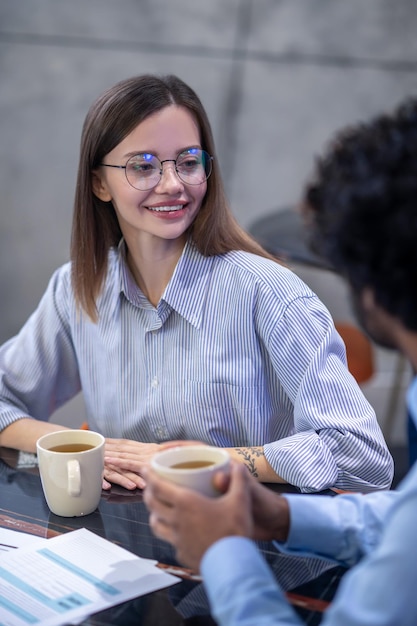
74,478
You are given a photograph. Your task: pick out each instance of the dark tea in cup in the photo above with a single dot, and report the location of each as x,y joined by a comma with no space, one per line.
192,466
71,447
187,465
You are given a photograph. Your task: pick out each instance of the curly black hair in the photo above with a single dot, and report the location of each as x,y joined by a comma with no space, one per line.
361,209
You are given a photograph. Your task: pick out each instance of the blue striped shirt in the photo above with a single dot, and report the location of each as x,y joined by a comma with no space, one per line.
239,352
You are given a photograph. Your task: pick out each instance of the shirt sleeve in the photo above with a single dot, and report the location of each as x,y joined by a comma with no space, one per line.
343,528
241,588
379,590
38,367
337,440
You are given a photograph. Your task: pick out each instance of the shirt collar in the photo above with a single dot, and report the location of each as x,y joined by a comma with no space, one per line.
187,290
128,285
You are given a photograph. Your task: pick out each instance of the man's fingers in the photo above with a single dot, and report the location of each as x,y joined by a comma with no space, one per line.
239,478
221,481
161,489
160,528
159,496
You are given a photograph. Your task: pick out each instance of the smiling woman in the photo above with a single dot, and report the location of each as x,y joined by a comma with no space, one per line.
176,324
156,202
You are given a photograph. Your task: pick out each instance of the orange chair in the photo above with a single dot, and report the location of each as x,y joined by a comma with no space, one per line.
359,351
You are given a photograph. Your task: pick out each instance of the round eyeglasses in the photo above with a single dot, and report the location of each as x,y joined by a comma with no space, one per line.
144,170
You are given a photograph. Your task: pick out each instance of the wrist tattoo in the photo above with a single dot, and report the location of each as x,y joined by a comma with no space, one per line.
249,457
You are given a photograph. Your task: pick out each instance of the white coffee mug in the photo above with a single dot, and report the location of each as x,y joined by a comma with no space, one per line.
71,466
192,466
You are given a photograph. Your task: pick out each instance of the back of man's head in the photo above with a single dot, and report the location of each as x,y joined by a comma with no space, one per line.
361,209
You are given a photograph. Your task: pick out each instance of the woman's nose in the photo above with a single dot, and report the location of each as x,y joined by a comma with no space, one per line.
169,178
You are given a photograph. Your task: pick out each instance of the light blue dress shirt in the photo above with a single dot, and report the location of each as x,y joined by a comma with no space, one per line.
238,352
378,529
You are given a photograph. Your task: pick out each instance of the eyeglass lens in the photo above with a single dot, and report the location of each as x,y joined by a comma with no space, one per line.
144,170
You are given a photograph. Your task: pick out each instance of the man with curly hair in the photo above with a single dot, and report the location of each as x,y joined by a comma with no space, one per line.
361,213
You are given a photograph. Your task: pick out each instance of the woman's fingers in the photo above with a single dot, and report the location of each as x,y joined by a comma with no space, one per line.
181,443
125,461
128,480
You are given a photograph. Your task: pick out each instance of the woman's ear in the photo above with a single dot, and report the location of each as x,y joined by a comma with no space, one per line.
100,187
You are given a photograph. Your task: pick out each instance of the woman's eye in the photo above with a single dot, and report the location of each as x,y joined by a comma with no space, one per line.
188,164
141,167
144,167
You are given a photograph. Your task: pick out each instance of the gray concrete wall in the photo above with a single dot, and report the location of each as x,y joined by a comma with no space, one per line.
277,78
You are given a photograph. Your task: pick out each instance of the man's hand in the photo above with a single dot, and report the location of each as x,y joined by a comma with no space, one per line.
192,522
270,513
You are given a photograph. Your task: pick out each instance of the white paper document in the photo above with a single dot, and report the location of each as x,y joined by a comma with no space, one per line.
12,539
64,579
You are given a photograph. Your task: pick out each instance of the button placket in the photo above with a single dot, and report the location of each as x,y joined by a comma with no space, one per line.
156,361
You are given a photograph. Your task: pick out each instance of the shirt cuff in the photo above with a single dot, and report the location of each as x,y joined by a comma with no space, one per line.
241,587
228,560
341,528
314,527
232,553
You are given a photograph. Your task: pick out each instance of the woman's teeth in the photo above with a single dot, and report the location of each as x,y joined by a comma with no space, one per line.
167,209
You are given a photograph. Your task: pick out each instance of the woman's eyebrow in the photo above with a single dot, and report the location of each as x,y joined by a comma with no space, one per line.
128,155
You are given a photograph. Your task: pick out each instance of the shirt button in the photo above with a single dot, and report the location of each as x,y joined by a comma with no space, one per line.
161,433
155,382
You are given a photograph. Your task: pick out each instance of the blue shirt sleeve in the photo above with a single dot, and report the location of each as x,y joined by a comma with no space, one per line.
379,591
343,528
241,588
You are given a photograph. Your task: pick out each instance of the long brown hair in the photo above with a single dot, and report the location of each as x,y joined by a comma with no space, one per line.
95,228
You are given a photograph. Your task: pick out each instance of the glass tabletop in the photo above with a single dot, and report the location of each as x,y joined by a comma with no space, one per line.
122,518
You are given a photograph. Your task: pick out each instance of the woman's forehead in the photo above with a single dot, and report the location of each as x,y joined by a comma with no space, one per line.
165,132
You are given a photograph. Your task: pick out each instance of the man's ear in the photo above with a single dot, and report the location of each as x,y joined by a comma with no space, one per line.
99,187
368,299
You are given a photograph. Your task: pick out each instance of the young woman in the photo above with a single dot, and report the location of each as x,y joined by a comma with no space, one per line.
175,324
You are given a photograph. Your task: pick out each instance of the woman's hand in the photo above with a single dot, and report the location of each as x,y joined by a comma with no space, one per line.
125,461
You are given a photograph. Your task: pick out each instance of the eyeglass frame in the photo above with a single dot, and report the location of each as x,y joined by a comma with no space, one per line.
161,170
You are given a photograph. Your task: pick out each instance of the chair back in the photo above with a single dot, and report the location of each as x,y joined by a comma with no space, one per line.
359,351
